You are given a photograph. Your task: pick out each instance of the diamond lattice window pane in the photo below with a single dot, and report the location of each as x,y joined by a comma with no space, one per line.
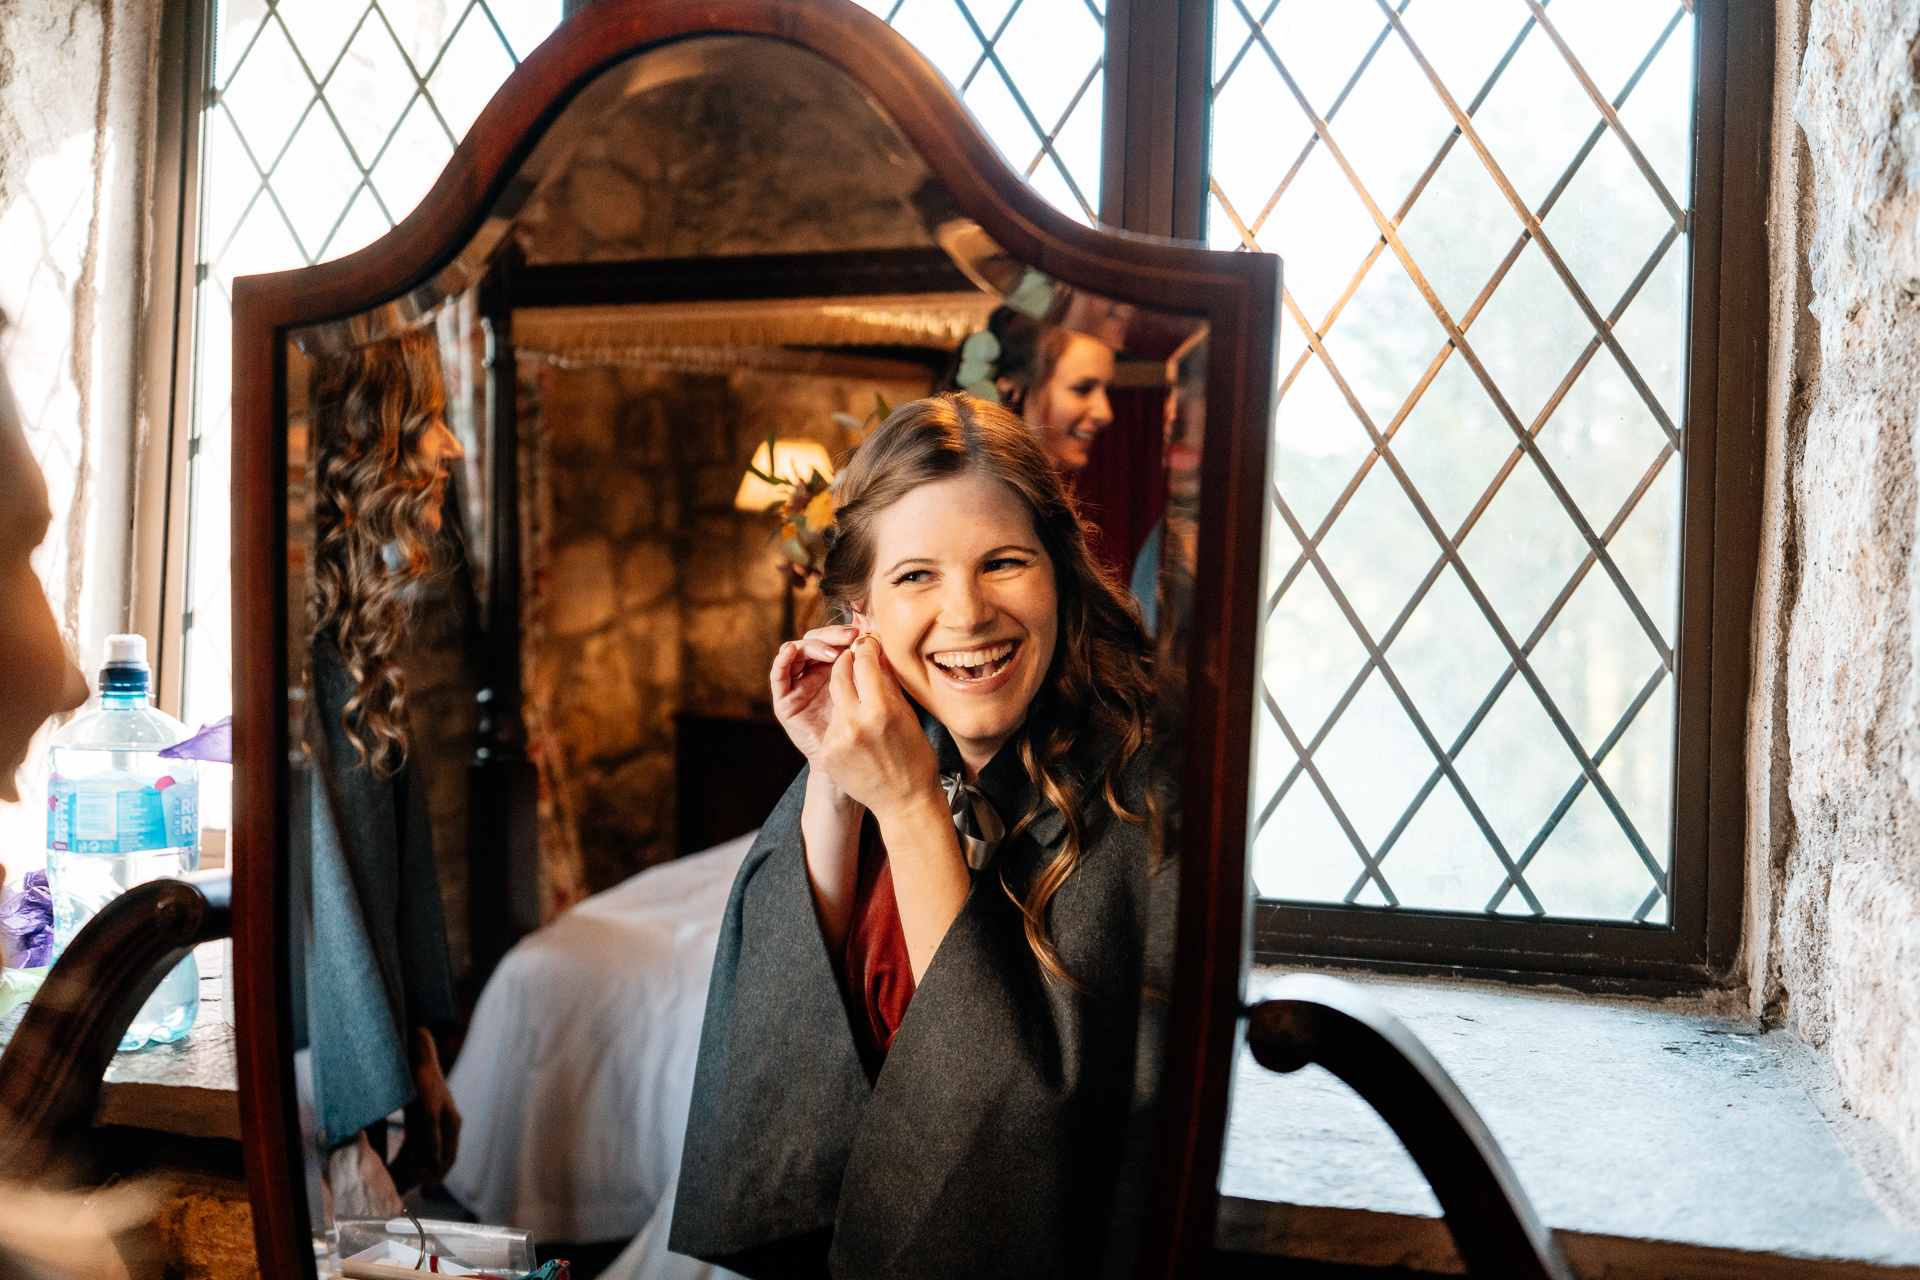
1031,72
475,59
371,88
1463,233
1608,222
1447,656
328,123
1441,859
414,157
1653,331
1466,697
320,31
266,98
314,182
1374,748
1379,517
524,23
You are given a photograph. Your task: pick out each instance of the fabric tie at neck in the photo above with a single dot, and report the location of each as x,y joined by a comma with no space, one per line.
975,818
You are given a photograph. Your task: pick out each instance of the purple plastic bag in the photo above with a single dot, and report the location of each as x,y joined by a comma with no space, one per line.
214,743
26,921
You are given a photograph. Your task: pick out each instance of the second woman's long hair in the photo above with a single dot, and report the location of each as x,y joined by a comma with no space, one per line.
1100,676
369,411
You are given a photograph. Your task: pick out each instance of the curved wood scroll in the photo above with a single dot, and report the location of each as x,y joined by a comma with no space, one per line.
1236,294
50,1073
1311,1018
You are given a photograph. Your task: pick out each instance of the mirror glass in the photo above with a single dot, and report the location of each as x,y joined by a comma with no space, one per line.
597,542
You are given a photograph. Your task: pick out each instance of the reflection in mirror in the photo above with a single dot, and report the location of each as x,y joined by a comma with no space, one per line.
741,635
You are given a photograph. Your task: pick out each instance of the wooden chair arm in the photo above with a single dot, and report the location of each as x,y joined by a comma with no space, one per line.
51,1071
1312,1018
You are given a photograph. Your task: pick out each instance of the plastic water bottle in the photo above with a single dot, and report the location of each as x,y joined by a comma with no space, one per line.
119,815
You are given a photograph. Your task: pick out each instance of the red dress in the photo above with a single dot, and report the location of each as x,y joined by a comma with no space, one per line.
879,975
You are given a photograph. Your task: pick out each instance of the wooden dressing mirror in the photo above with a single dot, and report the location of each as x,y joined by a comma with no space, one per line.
683,232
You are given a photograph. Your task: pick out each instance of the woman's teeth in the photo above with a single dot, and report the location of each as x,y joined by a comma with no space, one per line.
975,664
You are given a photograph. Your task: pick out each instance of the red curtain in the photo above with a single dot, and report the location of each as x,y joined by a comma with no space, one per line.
1123,490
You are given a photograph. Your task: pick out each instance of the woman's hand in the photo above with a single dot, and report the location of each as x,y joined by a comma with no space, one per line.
878,755
801,672
873,745
433,1121
829,818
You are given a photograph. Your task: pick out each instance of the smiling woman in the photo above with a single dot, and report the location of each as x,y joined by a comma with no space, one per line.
1054,378
968,844
967,615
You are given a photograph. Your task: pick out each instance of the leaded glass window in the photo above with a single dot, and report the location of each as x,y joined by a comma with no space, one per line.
1466,692
326,123
1032,72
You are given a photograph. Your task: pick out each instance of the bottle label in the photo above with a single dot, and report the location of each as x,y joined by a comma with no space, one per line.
88,816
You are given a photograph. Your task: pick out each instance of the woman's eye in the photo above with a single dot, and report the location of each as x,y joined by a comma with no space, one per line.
995,566
1086,388
910,577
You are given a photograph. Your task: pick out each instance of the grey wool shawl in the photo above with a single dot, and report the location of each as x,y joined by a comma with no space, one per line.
376,961
990,1141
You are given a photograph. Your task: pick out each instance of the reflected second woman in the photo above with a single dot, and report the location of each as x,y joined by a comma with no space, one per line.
927,1004
1053,378
378,979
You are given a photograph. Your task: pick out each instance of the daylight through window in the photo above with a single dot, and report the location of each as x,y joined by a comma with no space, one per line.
1031,71
326,125
1467,652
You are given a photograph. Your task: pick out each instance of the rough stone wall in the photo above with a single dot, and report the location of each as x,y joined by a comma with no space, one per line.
657,595
205,1229
732,147
1834,886
76,80
76,117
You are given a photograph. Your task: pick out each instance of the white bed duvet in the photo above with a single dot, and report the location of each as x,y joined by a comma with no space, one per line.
577,1073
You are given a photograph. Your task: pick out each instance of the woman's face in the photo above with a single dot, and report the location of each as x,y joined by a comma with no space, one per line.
37,679
438,448
964,603
1071,409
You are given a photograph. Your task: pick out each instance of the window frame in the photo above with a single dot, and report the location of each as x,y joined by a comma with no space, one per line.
163,466
1722,456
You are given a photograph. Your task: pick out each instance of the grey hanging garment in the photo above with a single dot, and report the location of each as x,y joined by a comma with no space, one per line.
376,963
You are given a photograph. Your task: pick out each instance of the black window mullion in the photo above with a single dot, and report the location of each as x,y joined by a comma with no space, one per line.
1153,159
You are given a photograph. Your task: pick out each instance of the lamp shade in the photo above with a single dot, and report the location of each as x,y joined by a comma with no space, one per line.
793,460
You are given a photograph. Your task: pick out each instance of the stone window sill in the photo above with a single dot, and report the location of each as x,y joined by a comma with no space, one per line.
1655,1138
191,1087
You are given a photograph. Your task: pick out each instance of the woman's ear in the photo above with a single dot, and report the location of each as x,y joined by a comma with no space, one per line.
860,620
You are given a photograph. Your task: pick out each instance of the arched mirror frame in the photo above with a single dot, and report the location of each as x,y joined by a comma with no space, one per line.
430,254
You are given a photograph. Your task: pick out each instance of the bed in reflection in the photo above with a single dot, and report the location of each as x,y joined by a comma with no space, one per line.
575,1078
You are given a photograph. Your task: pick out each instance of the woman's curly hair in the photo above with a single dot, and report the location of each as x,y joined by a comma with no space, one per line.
369,411
1100,678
